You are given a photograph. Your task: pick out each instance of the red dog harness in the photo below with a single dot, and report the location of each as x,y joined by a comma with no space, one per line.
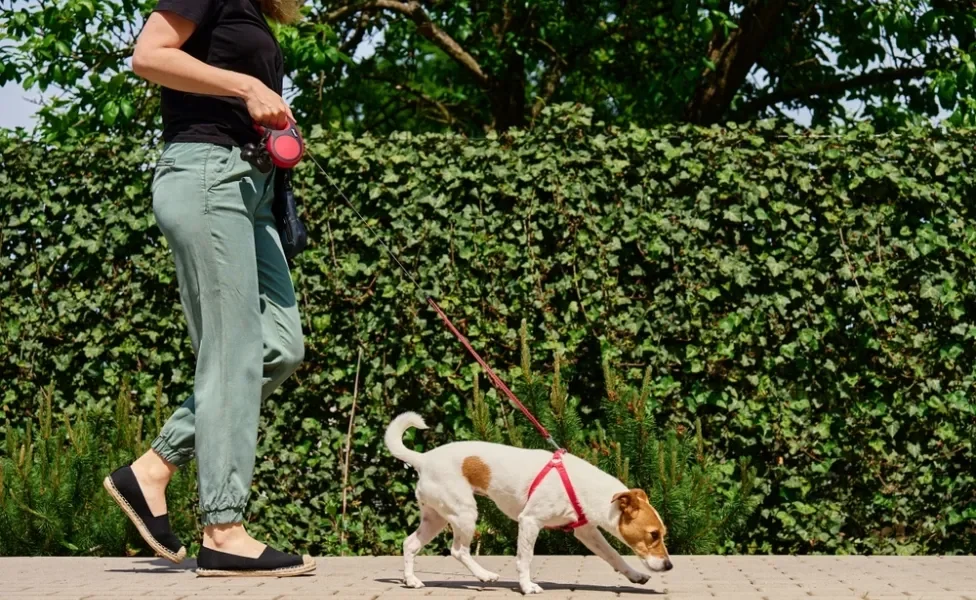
557,464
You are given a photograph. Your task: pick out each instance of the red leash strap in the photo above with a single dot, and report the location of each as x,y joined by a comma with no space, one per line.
557,463
491,374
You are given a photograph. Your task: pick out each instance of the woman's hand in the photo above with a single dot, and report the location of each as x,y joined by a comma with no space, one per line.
266,107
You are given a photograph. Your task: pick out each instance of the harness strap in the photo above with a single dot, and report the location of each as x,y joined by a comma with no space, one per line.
557,463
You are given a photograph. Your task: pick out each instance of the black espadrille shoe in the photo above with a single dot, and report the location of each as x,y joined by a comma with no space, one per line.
123,487
271,563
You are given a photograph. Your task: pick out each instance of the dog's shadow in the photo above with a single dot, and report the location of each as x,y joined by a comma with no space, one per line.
157,565
546,585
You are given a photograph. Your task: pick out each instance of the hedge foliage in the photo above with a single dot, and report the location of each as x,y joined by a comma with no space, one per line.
810,297
51,498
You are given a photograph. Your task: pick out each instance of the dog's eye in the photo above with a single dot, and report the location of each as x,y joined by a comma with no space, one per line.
655,535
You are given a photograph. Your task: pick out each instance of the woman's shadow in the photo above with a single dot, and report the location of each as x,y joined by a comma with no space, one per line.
157,565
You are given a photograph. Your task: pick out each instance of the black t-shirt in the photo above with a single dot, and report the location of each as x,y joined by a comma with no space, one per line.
232,35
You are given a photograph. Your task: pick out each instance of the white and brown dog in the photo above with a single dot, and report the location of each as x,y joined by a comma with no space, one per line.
520,483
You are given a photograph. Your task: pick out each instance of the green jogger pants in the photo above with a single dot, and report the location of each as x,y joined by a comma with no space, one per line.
214,210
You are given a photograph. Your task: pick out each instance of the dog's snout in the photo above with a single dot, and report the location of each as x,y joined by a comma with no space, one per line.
667,565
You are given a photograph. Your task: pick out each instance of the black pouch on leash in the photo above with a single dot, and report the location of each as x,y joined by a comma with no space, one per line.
291,230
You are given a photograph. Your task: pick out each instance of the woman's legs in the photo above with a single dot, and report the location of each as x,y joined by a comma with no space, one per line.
283,344
237,295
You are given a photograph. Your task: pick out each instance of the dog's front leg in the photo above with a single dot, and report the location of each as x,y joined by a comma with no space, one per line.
594,540
528,531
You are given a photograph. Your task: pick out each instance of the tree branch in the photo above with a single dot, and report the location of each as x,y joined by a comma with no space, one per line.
878,77
733,60
357,37
425,26
718,37
560,65
548,88
550,81
448,117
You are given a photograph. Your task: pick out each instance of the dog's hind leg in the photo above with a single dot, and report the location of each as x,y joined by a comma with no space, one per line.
463,520
431,523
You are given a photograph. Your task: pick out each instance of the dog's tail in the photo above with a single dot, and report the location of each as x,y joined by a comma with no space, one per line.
394,438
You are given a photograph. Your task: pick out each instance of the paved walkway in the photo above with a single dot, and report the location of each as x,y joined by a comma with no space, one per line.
562,578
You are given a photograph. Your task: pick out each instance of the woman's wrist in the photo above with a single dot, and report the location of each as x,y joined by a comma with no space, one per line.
245,86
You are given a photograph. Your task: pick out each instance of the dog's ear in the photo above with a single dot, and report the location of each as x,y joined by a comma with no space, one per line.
629,501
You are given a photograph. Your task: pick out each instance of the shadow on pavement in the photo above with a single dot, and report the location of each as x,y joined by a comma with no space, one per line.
157,565
546,586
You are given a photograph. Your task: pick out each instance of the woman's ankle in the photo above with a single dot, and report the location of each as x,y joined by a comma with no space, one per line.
224,534
151,468
231,538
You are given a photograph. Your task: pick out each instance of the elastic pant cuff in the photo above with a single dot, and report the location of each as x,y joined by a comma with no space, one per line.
177,456
223,516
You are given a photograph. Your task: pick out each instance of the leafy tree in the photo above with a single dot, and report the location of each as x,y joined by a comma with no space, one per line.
495,64
472,65
77,53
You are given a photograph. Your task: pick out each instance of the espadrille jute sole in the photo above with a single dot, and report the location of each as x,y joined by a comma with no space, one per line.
307,566
176,557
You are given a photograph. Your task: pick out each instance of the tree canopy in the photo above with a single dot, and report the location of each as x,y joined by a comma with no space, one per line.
477,65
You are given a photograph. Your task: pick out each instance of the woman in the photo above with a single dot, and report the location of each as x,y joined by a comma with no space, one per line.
221,70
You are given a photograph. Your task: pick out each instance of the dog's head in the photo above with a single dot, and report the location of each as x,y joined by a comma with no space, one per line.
642,529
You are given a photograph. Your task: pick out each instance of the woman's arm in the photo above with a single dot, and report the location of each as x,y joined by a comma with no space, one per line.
158,58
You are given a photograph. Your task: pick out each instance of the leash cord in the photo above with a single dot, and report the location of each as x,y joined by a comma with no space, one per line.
495,379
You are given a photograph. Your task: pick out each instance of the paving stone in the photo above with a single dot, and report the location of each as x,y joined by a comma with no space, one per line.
909,597
755,595
561,577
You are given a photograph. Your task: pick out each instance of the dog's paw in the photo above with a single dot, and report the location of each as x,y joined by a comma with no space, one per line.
531,588
414,583
488,576
637,577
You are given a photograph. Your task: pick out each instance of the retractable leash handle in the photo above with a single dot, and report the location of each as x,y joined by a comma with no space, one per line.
282,148
285,146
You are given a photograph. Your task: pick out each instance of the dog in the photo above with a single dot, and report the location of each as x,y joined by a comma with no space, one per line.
521,483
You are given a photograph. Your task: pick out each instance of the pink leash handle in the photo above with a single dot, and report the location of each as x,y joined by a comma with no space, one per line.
495,379
285,146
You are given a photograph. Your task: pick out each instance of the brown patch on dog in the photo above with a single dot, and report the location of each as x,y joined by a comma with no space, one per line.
640,525
477,472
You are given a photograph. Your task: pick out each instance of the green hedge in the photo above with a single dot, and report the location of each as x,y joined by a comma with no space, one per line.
812,298
52,502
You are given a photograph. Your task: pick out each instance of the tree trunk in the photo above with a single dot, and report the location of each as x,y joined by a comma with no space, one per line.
733,58
507,95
